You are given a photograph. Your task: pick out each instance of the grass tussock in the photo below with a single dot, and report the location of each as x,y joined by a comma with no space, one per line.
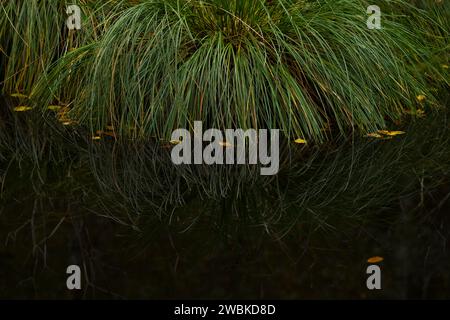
311,68
146,68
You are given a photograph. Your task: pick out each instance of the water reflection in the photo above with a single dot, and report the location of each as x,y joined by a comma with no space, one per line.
143,228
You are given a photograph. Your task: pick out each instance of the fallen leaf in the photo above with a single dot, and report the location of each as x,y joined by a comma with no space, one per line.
22,109
391,133
54,108
300,141
96,138
374,135
19,95
421,98
375,259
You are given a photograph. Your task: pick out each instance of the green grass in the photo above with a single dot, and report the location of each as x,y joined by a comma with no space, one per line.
34,36
310,68
430,21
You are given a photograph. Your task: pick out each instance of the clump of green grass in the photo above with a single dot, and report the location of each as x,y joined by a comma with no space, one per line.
301,66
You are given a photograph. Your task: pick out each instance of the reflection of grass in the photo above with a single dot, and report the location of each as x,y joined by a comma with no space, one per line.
329,209
295,65
341,179
384,197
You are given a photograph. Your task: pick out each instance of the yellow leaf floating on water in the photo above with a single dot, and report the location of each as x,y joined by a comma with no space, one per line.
300,141
225,144
421,98
96,138
22,109
19,95
54,108
391,133
375,259
374,135
385,134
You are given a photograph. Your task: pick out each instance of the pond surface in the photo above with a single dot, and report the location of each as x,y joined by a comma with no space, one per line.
141,229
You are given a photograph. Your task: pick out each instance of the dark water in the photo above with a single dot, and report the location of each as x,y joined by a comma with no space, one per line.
140,228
